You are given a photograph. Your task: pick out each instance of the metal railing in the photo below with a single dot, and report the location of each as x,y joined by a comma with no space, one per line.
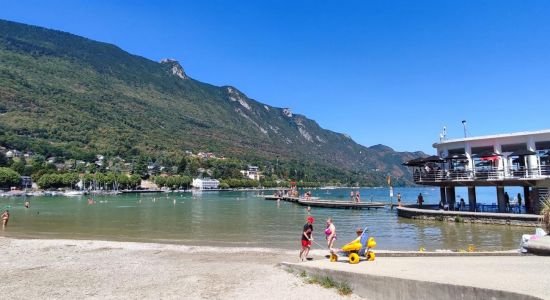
485,173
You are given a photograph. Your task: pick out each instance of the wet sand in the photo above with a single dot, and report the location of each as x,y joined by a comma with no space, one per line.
76,269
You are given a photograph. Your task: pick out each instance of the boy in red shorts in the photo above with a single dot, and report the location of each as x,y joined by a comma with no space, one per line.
307,237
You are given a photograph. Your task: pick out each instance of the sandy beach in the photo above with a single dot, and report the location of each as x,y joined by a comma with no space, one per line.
76,269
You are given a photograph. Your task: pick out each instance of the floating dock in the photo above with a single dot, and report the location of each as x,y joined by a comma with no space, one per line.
329,203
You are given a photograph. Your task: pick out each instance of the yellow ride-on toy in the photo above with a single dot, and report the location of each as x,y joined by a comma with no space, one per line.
359,246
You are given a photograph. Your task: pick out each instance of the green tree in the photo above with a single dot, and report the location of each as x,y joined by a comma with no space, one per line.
3,160
135,181
69,179
140,166
9,178
18,166
123,181
182,165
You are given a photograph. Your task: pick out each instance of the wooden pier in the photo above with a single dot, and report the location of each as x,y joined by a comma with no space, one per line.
329,203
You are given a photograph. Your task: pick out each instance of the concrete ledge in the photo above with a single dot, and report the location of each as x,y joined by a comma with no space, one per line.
384,287
469,217
540,246
385,253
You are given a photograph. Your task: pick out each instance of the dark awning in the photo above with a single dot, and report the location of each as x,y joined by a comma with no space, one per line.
433,158
417,162
523,152
456,156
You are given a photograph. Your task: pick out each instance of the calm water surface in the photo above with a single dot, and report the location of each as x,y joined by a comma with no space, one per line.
244,219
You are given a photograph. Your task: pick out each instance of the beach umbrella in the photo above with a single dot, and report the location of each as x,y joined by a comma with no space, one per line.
460,156
414,162
486,154
523,152
433,158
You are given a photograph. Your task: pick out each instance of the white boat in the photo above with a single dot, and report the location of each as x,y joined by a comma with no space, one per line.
16,192
74,193
34,194
328,188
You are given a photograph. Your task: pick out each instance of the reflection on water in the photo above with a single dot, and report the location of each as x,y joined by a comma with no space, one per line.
245,219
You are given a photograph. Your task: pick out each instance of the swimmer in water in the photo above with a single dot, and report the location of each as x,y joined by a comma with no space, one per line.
27,204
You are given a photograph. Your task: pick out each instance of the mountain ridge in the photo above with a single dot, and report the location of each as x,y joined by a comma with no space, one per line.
62,90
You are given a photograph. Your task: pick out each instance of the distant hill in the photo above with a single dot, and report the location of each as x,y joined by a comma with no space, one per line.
64,93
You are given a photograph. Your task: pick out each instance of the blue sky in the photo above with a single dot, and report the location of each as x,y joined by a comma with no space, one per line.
389,72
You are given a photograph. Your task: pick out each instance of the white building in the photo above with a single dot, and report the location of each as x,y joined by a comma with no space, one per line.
13,153
205,183
515,159
252,172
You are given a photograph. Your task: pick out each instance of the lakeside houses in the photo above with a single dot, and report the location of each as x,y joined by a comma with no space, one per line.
252,172
205,183
13,153
100,160
26,182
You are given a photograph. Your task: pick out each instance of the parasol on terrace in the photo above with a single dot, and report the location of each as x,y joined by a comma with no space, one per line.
417,162
523,152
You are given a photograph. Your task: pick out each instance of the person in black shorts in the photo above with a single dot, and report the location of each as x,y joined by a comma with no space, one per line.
307,237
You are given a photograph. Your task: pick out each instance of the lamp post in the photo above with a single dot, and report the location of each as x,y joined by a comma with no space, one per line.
464,125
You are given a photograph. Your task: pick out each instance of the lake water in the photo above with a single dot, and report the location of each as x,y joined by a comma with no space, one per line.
245,219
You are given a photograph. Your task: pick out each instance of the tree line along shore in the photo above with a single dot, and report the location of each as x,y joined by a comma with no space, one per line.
38,172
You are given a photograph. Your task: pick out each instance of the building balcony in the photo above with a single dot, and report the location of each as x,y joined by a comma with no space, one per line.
481,174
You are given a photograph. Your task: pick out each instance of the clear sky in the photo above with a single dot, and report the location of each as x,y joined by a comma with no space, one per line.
389,72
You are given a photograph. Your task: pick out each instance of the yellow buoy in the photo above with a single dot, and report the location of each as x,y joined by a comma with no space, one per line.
422,249
353,258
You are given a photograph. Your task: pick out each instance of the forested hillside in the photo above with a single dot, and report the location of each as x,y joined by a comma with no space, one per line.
67,96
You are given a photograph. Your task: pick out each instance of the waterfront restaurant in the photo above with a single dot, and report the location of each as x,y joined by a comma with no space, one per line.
515,159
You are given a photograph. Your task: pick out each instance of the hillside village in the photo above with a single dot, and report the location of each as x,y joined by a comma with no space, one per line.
202,170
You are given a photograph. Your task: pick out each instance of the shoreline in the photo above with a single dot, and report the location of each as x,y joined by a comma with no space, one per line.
46,268
196,248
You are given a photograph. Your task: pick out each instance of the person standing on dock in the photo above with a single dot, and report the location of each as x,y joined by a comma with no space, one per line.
420,200
507,201
398,199
352,196
307,238
357,197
